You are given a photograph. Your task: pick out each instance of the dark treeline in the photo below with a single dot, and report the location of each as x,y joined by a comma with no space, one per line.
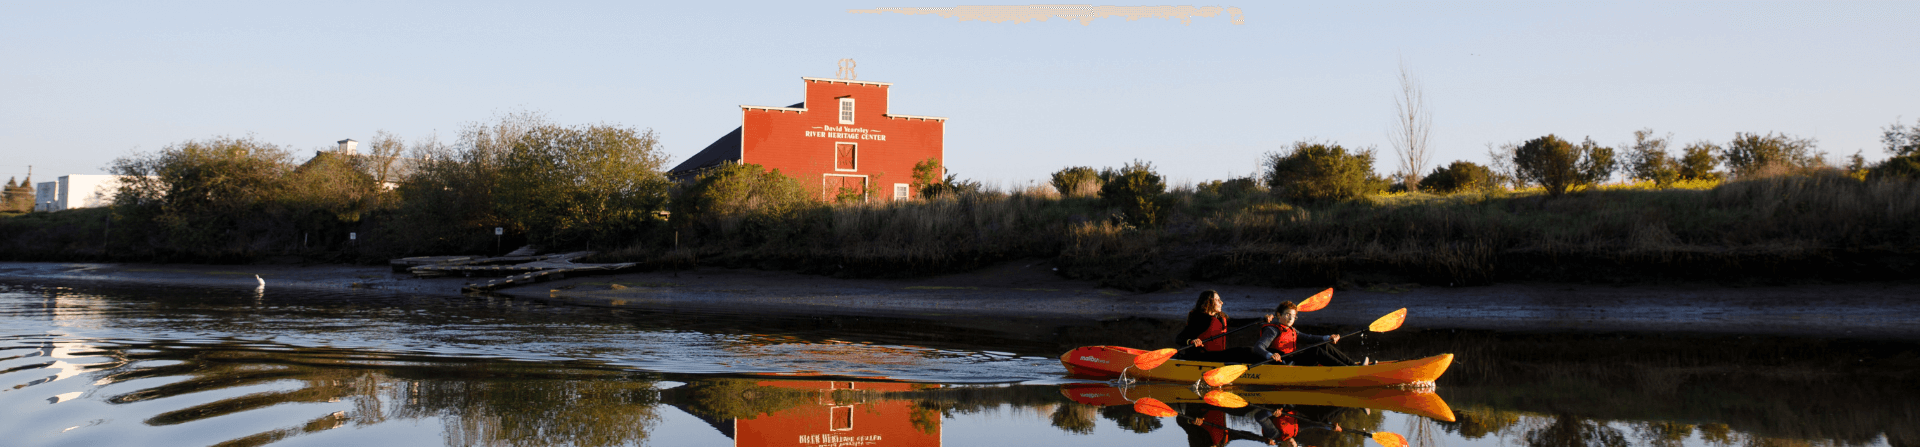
1758,206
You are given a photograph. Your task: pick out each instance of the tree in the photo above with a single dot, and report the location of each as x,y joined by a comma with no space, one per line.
1904,143
1138,192
735,189
570,183
1076,181
1748,153
1558,166
1412,124
1648,159
927,181
1316,172
1700,160
1901,140
1459,176
200,196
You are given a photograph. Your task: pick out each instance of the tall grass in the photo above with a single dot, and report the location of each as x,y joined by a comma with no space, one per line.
1790,226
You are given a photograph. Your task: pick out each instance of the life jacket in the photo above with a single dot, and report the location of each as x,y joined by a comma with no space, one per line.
1289,427
1215,326
1217,427
1286,342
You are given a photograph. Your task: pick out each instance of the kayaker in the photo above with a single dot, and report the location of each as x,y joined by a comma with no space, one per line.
1279,337
1279,427
1208,319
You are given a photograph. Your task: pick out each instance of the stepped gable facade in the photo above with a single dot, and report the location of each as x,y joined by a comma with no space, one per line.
842,140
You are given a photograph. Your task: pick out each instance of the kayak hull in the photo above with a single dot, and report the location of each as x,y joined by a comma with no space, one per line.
1419,402
1113,361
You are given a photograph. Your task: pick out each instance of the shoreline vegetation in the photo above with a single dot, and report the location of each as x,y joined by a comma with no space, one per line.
1758,209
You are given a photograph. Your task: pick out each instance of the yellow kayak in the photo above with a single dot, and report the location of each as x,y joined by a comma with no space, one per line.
1114,361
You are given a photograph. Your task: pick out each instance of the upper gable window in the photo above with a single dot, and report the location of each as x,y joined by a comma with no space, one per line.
846,110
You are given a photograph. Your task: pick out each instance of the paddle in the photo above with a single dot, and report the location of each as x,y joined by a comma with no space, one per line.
1153,359
1227,374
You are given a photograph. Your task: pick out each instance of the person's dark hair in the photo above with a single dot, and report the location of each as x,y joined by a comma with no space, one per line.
1285,306
1206,297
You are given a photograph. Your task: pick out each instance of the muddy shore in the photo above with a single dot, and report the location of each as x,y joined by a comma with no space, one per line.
1877,310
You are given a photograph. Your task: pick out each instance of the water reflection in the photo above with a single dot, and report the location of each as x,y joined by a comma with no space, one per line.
80,366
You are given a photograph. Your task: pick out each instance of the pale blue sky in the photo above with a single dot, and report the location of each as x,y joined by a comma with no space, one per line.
83,83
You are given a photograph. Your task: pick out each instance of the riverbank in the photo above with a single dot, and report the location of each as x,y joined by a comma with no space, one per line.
1031,290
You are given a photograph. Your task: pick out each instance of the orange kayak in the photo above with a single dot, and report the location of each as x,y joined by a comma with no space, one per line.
1418,402
1113,361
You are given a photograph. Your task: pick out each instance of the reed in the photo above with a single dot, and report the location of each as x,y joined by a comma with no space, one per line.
1818,225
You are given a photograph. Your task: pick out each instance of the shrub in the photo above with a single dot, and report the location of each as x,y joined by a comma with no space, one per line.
1558,166
1233,188
1906,167
1077,181
1648,159
567,183
1459,176
1748,153
1138,192
735,189
1316,172
927,181
1902,140
1700,160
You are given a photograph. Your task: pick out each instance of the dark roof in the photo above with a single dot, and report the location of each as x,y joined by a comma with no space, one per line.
727,148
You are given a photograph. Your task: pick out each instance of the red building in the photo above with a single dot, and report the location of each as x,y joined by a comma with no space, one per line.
842,139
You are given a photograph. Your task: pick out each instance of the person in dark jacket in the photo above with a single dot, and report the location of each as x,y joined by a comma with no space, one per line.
1278,338
1207,319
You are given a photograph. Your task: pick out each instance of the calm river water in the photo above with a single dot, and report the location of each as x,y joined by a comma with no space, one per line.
124,364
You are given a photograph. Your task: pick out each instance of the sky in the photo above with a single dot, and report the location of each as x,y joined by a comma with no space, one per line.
82,83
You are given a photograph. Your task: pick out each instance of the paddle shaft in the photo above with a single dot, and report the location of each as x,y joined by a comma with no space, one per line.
1230,332
1297,351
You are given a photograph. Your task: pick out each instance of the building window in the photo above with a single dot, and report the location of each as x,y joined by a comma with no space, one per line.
846,157
900,191
846,110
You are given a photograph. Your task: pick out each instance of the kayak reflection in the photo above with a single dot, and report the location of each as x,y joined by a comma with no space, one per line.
1419,402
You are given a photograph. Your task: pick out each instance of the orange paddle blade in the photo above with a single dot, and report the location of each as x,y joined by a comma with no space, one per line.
1153,407
1223,375
1153,359
1224,399
1317,301
1389,322
1389,439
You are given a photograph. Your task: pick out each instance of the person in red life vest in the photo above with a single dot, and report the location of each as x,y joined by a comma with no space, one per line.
1278,427
1207,319
1279,337
1209,428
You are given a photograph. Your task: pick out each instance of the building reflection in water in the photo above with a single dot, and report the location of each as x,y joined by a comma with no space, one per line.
811,413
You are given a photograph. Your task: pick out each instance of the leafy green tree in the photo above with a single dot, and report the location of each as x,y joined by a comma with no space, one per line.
734,190
1701,159
1648,159
1559,166
569,183
1459,176
1317,172
1748,153
1076,181
201,196
1139,193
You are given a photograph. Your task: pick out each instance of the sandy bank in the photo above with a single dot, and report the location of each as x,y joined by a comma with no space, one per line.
1882,310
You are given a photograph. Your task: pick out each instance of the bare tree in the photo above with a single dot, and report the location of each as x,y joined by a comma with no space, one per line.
1412,123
